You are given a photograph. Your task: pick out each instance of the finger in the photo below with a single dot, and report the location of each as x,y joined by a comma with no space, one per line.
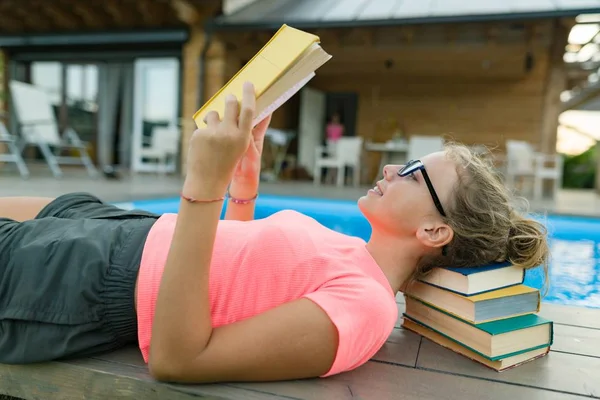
212,118
259,132
261,128
248,106
231,110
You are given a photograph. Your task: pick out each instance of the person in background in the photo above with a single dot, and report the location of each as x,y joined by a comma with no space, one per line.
334,129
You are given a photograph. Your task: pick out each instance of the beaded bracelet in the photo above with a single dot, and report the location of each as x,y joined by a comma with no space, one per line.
241,201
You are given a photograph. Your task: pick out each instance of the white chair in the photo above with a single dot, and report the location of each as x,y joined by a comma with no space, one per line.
419,146
522,161
38,127
348,153
163,146
13,155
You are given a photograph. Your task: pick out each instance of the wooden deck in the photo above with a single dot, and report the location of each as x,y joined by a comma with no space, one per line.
407,367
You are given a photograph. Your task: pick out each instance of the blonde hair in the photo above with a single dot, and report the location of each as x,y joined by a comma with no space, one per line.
486,223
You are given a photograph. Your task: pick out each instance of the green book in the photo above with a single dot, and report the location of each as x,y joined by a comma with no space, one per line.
494,340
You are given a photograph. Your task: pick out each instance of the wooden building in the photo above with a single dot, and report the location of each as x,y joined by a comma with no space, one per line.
478,72
113,68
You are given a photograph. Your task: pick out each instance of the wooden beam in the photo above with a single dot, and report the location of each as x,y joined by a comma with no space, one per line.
55,13
123,16
153,13
191,52
8,24
31,21
186,12
555,84
91,18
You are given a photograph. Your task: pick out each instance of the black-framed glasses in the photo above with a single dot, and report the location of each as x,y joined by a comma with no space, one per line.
417,165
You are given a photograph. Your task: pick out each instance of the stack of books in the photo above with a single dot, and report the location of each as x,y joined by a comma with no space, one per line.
486,314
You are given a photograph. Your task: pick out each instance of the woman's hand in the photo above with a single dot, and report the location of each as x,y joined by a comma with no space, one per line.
247,171
215,151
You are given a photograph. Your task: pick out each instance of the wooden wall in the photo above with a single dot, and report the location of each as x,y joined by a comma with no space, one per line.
471,81
476,83
472,111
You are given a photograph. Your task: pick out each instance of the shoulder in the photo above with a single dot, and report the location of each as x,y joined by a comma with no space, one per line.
364,313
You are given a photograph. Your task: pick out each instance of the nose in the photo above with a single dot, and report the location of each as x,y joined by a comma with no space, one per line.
389,171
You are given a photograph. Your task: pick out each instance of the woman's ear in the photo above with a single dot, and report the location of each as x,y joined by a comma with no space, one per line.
434,234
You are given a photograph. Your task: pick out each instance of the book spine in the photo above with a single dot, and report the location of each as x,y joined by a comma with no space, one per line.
469,294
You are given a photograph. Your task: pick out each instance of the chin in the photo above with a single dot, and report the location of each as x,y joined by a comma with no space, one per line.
363,204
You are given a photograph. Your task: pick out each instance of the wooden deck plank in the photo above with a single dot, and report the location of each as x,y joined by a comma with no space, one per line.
563,372
402,347
569,315
377,380
577,340
382,381
398,352
126,377
97,379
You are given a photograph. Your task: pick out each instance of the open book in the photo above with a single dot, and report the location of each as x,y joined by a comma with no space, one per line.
278,71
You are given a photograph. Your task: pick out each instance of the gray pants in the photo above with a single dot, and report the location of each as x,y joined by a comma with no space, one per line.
67,280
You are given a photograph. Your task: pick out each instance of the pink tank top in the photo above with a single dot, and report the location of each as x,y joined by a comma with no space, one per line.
258,265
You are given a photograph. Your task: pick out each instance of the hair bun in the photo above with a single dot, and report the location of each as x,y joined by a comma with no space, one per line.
527,246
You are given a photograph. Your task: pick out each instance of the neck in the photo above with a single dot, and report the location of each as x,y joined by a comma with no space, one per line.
396,257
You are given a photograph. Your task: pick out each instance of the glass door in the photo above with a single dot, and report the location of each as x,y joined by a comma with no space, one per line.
156,104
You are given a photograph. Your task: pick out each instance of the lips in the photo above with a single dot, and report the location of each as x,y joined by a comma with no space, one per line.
377,189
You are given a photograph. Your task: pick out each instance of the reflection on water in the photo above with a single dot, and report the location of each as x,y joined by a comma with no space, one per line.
574,273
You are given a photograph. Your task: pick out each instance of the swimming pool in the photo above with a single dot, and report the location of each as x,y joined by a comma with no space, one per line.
574,242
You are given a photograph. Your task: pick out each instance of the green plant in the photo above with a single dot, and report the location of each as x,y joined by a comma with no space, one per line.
579,171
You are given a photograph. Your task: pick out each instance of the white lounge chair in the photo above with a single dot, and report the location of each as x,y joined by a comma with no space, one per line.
163,147
38,127
522,161
14,154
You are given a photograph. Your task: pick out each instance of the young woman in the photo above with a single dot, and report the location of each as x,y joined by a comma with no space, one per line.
239,299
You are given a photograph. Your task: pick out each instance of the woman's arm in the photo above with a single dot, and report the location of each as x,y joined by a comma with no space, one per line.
182,325
246,177
294,340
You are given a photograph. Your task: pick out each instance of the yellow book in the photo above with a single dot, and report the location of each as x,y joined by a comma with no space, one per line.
278,71
497,304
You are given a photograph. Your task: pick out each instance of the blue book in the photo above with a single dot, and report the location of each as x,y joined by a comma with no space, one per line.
471,281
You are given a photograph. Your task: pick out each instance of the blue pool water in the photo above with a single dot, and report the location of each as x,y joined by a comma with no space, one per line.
574,242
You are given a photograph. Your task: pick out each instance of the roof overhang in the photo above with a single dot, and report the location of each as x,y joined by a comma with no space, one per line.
315,14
